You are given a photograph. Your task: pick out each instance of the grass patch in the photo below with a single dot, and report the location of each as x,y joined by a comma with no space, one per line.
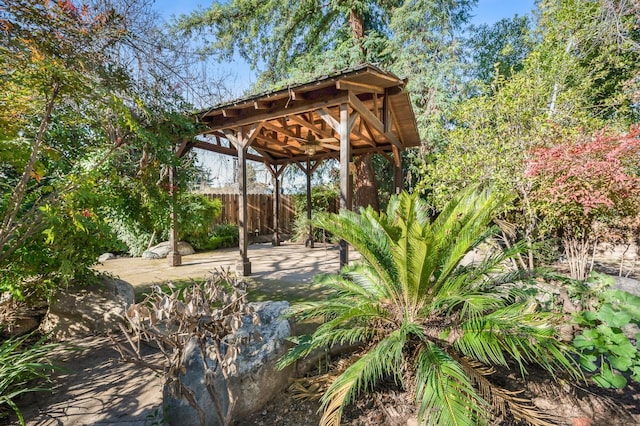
141,291
258,290
292,292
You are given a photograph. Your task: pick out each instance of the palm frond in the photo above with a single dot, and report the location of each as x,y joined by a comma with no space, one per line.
382,360
517,330
444,393
504,401
366,232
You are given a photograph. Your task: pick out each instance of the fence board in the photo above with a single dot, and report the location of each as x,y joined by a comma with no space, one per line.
259,211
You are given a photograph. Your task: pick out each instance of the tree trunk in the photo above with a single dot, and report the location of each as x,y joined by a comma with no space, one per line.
366,192
366,185
577,252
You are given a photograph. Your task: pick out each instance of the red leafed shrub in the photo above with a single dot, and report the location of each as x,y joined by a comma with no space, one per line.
580,182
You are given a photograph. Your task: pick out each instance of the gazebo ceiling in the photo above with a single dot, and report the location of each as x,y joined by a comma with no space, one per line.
301,122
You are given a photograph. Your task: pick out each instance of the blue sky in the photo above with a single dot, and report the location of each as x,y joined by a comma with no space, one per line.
487,11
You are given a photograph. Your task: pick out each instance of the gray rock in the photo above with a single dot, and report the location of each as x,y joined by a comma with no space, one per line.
81,311
627,284
162,250
256,381
106,256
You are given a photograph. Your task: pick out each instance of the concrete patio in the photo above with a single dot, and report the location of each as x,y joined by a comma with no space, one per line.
288,262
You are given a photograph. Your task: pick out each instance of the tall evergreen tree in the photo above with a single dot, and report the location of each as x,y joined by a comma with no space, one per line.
285,39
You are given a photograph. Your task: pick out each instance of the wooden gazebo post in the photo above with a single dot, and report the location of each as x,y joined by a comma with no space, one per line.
308,170
173,258
242,139
276,170
345,174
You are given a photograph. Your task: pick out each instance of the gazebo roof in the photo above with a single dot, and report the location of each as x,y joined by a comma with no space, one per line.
301,121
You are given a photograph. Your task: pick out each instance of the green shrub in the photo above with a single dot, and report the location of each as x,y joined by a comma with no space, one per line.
223,235
74,235
605,349
196,218
323,200
427,322
23,369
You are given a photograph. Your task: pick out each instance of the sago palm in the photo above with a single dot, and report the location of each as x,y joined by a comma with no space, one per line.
435,326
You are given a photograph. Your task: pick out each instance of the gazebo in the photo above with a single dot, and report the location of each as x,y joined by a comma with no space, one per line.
343,115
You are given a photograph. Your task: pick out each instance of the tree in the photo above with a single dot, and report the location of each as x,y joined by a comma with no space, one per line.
423,319
290,41
557,95
584,181
70,102
499,49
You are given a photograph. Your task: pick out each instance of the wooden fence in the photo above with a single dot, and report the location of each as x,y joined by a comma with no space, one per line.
259,211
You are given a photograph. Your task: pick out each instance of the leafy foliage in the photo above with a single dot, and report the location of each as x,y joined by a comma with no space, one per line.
576,79
579,182
224,235
605,349
323,199
426,320
23,369
87,107
500,49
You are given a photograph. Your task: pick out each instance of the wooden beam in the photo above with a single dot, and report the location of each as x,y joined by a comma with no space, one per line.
251,133
309,242
330,120
230,112
243,264
388,78
269,126
262,104
307,124
174,258
374,121
352,120
224,150
231,137
277,145
274,113
298,96
358,87
183,148
376,110
345,175
368,129
397,171
266,155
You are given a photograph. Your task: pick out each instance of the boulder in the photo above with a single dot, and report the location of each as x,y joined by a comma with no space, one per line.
80,311
106,256
626,284
162,250
256,381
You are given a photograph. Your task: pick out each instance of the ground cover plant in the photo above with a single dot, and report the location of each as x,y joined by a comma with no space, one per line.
433,325
23,369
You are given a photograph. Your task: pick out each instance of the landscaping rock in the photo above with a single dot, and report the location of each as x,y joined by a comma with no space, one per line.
106,256
256,381
626,284
88,310
162,250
